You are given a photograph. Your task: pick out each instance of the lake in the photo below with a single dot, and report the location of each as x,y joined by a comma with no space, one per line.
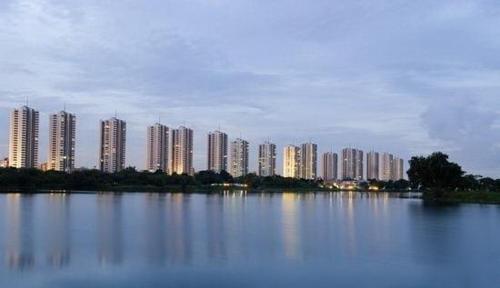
235,239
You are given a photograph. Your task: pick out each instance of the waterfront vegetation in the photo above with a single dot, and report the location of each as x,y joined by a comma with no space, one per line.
130,179
439,179
443,181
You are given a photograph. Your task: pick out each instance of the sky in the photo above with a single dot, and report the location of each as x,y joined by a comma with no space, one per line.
406,77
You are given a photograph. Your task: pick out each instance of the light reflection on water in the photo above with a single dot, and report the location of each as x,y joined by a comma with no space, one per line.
293,239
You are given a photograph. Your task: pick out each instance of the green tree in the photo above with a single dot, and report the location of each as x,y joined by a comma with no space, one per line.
435,174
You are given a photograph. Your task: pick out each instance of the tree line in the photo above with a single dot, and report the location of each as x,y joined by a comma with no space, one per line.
130,178
434,175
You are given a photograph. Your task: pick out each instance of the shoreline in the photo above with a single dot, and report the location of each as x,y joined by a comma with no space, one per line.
185,189
476,197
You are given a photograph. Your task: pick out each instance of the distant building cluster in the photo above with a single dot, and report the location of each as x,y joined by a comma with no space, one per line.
171,151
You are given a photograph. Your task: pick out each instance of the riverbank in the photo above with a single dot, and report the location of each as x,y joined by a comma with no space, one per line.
457,197
472,197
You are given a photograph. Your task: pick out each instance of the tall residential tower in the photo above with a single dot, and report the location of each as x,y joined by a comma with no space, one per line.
352,164
372,165
113,140
181,153
157,148
386,167
330,166
239,158
291,161
62,130
217,151
23,138
267,159
309,161
397,169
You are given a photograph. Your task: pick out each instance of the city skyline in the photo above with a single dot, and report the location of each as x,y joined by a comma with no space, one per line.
174,155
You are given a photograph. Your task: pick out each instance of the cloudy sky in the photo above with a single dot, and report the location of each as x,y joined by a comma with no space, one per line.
408,77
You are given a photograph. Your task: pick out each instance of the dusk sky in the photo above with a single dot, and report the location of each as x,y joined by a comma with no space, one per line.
407,77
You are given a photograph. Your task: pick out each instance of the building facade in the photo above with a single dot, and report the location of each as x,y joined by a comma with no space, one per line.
397,169
372,165
157,148
113,141
352,164
386,167
330,166
181,155
239,158
291,161
62,131
309,161
267,159
23,138
217,151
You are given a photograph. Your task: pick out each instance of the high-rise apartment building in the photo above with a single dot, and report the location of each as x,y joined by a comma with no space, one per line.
291,161
217,151
62,130
23,138
397,169
267,159
181,155
372,165
309,161
239,158
113,140
386,167
157,148
330,166
352,164
360,165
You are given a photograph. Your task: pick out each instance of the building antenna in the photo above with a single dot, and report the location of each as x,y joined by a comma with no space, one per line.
116,114
159,118
27,101
64,107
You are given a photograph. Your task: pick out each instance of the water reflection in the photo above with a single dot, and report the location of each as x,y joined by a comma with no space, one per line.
437,243
210,239
58,232
178,229
155,225
109,228
290,225
216,245
19,222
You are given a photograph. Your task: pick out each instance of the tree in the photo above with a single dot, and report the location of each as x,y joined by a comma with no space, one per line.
435,174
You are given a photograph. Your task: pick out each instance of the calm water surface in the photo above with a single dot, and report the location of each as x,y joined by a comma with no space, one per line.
245,240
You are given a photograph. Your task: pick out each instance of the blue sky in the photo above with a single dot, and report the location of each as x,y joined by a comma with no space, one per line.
408,77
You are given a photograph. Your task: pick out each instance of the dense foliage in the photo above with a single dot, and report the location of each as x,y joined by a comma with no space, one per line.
440,178
434,173
11,178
